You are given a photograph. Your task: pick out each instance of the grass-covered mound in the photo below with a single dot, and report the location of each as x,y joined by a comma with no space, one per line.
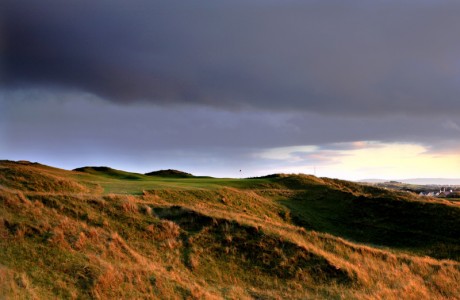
283,237
170,173
360,213
109,172
34,177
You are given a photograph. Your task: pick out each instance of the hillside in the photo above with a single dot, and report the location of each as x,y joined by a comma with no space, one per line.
109,172
170,173
101,233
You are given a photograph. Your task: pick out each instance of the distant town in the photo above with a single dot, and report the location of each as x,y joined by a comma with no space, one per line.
443,193
431,190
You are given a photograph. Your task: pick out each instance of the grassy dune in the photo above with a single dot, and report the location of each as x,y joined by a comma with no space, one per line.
107,234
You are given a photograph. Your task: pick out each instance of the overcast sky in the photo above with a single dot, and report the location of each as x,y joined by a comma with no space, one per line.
348,89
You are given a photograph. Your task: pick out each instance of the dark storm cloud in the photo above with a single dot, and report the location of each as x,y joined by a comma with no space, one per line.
64,120
355,57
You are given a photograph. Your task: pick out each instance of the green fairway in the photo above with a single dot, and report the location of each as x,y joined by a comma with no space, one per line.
139,183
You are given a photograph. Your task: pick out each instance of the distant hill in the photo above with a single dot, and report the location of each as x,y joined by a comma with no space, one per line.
438,181
170,173
421,181
109,172
372,180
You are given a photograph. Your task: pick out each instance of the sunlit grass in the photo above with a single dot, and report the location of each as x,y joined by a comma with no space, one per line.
290,237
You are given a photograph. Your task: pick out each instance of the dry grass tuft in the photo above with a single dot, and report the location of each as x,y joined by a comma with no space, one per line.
81,241
129,205
110,280
13,198
14,285
166,232
147,210
58,238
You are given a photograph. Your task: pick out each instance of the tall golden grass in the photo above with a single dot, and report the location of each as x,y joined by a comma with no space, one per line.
176,244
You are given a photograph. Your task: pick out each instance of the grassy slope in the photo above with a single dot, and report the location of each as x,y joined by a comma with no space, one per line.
114,234
379,217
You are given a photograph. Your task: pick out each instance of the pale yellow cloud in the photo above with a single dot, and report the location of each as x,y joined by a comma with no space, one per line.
399,161
368,159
